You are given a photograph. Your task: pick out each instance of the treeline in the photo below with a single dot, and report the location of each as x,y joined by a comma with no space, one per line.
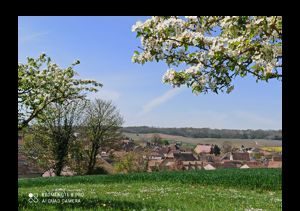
209,133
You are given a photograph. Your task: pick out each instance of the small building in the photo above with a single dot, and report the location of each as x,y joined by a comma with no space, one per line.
156,156
227,156
168,164
207,157
184,156
245,166
191,165
244,156
275,164
255,164
229,164
209,167
203,148
277,158
153,165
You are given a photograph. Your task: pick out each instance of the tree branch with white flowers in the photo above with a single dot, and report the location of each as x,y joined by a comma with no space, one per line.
42,82
214,49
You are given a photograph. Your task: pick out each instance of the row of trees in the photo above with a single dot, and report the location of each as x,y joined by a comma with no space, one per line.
209,133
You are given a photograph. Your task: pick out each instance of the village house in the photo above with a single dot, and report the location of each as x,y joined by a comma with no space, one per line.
168,164
207,157
191,165
241,156
128,145
184,156
274,164
209,167
155,156
244,156
277,158
153,165
253,164
203,149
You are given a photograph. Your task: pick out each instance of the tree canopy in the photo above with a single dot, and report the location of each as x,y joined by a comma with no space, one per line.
102,121
213,49
42,82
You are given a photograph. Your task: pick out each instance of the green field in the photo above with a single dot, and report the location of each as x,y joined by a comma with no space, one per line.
192,142
142,138
224,189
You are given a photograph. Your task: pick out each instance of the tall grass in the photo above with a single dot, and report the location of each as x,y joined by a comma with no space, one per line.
265,179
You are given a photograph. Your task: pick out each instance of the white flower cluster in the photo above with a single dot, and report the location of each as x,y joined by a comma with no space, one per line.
169,76
194,70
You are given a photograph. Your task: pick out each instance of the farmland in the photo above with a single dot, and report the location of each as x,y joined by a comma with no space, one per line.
272,149
233,189
141,138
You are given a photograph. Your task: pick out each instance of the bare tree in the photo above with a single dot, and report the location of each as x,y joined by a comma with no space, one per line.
156,139
102,123
227,146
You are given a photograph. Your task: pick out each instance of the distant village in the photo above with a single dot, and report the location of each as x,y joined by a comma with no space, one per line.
170,157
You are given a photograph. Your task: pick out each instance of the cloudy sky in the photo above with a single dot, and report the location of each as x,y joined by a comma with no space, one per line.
104,46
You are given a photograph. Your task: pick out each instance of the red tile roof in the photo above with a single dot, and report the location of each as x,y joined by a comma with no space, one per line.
201,148
241,156
275,164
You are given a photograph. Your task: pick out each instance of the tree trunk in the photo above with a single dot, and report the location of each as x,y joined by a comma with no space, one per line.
92,161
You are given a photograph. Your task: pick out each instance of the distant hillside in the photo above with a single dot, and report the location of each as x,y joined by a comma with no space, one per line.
208,133
192,142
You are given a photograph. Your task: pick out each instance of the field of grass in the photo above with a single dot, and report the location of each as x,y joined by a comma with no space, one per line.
272,149
142,138
224,189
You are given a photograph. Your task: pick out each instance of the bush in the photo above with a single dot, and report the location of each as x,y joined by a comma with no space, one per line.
99,170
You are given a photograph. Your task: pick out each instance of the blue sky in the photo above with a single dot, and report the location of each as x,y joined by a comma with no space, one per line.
104,46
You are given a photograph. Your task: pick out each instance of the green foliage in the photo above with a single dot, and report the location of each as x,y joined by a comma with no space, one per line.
216,150
53,136
99,170
131,162
166,142
156,139
38,148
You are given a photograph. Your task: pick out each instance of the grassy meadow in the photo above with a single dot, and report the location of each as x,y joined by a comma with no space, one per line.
223,189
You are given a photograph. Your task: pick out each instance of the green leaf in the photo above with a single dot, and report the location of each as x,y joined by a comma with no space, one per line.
186,47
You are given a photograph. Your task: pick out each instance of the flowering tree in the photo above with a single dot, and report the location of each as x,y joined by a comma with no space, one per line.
41,82
214,49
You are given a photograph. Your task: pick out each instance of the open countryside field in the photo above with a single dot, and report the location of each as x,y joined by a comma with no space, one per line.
141,138
272,149
226,189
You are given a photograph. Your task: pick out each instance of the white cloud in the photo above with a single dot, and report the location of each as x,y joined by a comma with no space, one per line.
31,37
156,102
105,94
